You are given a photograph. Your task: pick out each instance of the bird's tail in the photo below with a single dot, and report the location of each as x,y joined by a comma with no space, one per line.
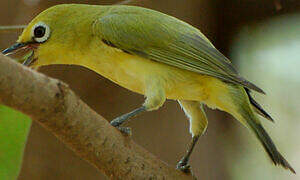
268,145
257,108
247,116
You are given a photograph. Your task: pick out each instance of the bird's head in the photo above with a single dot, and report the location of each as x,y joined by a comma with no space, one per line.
34,35
49,30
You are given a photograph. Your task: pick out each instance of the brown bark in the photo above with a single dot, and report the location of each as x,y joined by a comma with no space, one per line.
53,104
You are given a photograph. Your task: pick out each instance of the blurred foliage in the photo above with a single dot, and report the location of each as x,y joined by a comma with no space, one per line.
14,128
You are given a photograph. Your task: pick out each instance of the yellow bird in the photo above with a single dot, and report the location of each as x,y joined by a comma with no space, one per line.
149,53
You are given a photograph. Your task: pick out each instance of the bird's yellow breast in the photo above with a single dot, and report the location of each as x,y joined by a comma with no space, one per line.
134,72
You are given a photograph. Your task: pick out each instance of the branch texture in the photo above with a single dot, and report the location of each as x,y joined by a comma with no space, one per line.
52,104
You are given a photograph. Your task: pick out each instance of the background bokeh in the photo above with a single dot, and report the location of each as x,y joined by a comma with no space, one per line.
262,38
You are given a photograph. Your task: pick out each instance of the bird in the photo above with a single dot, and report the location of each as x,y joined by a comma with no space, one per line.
150,53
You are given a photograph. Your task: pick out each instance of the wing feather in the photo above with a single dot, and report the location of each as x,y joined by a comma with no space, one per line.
165,39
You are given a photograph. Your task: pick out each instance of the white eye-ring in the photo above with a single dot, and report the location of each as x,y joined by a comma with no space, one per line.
40,32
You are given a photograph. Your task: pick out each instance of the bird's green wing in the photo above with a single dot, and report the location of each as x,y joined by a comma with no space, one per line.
165,39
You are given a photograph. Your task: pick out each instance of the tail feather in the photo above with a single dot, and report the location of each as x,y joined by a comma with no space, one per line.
247,116
239,106
268,145
258,109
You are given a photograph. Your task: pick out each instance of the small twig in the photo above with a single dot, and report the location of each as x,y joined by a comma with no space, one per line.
14,28
18,28
125,2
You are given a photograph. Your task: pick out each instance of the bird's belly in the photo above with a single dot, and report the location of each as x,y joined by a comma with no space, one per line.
134,73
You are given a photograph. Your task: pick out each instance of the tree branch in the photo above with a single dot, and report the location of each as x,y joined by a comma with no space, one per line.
52,104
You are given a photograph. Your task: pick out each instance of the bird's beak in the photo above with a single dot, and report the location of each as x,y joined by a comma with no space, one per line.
29,58
13,48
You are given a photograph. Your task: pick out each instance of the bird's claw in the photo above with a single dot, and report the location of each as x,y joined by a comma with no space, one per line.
125,130
183,166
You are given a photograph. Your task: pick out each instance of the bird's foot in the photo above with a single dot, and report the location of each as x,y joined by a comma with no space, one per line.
125,130
117,122
183,166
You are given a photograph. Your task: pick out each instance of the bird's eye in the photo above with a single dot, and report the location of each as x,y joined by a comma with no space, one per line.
40,32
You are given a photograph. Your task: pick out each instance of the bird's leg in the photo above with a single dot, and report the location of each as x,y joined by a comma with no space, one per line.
198,123
117,122
183,163
155,98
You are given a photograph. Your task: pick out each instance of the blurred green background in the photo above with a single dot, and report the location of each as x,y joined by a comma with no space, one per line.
14,128
261,37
